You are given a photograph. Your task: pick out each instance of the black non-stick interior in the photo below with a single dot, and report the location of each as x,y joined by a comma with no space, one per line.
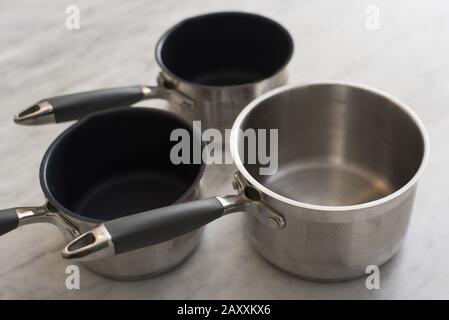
117,163
229,48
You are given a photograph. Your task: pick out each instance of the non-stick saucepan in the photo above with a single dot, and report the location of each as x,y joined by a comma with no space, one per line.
349,159
212,66
112,164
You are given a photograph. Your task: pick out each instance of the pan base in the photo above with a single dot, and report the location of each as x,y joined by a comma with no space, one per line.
150,261
129,193
328,183
328,274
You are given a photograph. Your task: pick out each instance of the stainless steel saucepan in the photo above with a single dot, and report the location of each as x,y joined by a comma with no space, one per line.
349,160
212,66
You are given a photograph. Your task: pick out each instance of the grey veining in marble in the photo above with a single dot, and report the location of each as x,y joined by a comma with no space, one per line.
39,57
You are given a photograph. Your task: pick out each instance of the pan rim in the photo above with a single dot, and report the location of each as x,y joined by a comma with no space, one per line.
160,44
324,208
44,163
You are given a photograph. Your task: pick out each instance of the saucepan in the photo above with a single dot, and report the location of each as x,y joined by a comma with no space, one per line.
212,66
112,164
349,160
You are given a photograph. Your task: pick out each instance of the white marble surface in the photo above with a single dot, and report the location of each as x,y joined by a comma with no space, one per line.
39,57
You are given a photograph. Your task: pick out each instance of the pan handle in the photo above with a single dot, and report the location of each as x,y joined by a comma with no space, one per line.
150,227
13,218
77,105
9,220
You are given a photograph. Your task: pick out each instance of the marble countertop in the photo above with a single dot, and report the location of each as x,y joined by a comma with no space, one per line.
406,56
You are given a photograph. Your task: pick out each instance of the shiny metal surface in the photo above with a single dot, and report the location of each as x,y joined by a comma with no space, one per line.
216,106
256,205
171,94
149,261
98,236
47,214
349,162
40,113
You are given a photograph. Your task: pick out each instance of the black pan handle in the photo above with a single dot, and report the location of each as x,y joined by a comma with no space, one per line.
77,105
143,229
9,220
